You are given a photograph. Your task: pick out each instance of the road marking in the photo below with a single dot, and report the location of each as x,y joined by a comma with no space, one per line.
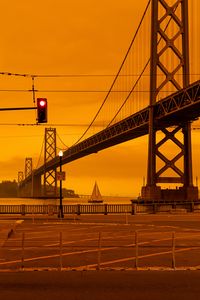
85,251
103,263
133,258
89,239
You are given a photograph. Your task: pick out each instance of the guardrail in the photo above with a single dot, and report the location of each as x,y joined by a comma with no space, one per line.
79,209
134,250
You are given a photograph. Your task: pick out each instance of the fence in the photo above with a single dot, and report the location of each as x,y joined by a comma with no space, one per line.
132,251
105,209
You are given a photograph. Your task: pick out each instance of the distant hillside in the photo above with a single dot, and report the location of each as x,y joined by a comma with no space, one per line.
9,189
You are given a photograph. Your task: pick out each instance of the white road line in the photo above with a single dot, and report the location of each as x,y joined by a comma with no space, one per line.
133,258
81,252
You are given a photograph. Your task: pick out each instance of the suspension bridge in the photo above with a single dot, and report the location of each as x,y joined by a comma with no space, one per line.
156,89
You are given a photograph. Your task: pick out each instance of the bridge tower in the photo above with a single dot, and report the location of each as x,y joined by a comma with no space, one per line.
28,166
169,70
50,182
20,176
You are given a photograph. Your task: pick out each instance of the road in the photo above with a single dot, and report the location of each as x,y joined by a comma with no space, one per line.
94,257
100,285
104,242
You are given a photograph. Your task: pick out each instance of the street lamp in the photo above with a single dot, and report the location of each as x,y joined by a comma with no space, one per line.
60,214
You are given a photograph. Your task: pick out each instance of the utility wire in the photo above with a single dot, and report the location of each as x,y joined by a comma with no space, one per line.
78,75
88,91
49,124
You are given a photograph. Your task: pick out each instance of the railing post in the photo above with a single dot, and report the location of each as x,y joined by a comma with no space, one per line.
154,208
78,209
61,244
134,209
126,217
22,260
136,249
99,252
23,210
105,209
33,215
192,206
173,251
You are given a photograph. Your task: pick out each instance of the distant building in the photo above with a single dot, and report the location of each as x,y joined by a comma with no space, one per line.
69,193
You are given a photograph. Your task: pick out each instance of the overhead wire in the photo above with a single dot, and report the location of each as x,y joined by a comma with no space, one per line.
88,91
75,75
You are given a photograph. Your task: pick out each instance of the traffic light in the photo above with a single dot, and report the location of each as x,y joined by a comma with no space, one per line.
42,110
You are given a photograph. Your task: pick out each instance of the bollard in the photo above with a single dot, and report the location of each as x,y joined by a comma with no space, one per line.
173,251
22,260
61,245
99,252
136,249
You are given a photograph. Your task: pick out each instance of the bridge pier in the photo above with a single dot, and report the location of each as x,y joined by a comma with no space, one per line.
24,190
36,186
151,193
155,193
32,188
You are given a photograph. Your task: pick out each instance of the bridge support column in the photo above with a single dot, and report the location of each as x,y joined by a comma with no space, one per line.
50,180
169,38
36,186
152,193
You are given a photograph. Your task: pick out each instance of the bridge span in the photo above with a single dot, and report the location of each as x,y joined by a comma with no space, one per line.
178,108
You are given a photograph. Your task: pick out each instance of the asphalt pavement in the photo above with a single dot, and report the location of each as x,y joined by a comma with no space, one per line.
22,262
100,285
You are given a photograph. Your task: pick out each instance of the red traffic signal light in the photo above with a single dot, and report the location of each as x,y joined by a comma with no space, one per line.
42,110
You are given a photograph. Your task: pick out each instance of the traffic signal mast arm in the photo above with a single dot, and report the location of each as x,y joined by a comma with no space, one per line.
17,108
41,109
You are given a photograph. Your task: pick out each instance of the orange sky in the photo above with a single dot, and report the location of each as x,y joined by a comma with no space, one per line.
70,37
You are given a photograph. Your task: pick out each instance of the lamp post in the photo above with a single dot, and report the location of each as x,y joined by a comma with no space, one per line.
60,214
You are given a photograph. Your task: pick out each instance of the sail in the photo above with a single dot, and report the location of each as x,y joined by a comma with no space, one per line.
96,195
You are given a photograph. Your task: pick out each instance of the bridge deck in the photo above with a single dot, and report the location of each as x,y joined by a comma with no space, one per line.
177,108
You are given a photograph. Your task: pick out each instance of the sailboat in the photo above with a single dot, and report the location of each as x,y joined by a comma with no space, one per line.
96,195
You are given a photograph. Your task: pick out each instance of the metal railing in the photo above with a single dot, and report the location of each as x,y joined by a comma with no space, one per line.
105,209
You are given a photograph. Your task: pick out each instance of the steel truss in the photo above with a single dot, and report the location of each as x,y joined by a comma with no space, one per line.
28,167
20,177
169,27
50,182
